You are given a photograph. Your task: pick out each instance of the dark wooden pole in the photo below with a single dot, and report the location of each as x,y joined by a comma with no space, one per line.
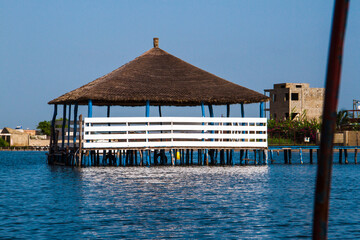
80,140
340,156
63,127
323,179
355,156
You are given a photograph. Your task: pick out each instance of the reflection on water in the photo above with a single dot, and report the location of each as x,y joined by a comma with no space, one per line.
267,202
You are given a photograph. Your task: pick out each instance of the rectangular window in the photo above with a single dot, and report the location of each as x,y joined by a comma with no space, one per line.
274,97
295,96
298,86
286,97
293,115
282,86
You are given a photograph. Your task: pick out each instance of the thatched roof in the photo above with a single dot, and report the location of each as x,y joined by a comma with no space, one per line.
7,130
163,79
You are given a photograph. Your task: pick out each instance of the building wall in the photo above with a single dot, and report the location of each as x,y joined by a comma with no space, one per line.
19,140
295,99
30,132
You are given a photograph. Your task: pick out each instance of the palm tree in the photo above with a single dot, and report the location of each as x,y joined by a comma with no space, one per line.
342,119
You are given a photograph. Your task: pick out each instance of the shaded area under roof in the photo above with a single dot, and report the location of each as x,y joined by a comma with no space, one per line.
163,79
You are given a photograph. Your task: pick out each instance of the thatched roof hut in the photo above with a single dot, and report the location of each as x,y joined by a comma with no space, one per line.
162,79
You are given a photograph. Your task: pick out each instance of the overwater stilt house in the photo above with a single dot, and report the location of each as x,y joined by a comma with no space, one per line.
156,78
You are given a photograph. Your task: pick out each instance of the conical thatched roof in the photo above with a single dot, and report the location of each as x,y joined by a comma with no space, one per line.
163,79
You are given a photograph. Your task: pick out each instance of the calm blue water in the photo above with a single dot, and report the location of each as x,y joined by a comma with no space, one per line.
38,201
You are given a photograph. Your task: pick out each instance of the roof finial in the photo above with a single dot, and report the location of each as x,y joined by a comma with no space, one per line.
156,42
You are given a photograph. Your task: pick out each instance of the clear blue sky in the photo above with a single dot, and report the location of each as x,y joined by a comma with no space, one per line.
51,47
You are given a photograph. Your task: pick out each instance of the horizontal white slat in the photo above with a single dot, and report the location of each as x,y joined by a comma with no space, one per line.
172,136
173,144
174,128
174,132
173,119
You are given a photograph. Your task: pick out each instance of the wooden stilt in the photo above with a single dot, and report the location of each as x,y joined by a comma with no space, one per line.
192,157
241,156
301,157
355,156
289,152
340,155
63,127
255,159
285,156
199,157
222,157
311,156
346,156
317,156
188,157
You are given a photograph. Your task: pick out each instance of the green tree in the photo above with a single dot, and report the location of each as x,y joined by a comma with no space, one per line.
3,143
342,119
44,127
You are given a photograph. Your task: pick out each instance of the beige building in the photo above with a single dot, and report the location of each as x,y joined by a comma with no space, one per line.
291,100
15,138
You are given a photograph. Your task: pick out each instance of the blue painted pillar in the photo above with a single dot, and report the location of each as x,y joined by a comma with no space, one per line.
261,112
108,115
147,113
301,157
89,115
63,127
90,108
211,110
69,123
232,150
262,109
75,123
242,112
202,109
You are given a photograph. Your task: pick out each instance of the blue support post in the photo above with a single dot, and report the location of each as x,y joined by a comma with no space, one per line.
262,109
261,113
69,122
89,114
242,110
232,150
63,127
90,108
202,109
75,123
211,110
147,113
301,157
147,110
108,115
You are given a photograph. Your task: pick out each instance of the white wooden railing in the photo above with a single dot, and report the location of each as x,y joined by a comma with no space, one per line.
174,132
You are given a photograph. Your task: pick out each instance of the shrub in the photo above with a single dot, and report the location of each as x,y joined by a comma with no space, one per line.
3,143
